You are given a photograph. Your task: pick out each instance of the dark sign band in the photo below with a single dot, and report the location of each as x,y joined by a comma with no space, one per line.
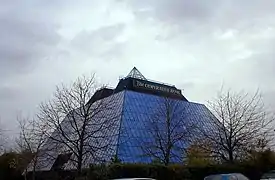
156,87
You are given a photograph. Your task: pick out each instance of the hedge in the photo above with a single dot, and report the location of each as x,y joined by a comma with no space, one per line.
172,172
159,172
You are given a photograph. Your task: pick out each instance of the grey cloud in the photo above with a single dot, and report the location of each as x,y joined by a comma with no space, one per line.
191,14
100,42
199,20
28,36
106,33
185,86
176,11
259,67
263,67
24,40
8,93
269,98
185,10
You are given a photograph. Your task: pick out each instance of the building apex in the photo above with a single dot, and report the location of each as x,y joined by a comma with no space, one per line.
135,73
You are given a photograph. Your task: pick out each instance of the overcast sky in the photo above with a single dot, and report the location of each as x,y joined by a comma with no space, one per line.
198,45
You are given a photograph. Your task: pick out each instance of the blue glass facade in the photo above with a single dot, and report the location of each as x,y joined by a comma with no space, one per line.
106,138
132,114
138,114
136,125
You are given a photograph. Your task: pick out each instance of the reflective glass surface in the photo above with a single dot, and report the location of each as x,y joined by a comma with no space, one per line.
144,113
132,123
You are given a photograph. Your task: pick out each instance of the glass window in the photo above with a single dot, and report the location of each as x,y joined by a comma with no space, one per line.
136,129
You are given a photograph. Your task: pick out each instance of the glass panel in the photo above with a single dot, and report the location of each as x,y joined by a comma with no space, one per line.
133,118
136,126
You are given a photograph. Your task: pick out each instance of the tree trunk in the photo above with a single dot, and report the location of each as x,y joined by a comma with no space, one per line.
80,158
34,167
33,174
79,165
231,158
167,161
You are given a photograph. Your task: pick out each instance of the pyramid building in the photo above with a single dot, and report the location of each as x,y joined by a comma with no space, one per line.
138,104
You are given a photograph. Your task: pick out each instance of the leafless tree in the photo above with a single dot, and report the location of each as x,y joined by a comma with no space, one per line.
170,131
239,124
3,138
31,139
81,129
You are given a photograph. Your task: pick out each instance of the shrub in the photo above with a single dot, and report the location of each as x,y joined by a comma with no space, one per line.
9,166
159,172
171,172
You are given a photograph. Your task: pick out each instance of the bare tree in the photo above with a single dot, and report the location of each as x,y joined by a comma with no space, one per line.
81,129
169,130
31,139
3,138
239,124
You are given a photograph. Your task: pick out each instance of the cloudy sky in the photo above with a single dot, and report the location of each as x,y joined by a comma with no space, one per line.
198,45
